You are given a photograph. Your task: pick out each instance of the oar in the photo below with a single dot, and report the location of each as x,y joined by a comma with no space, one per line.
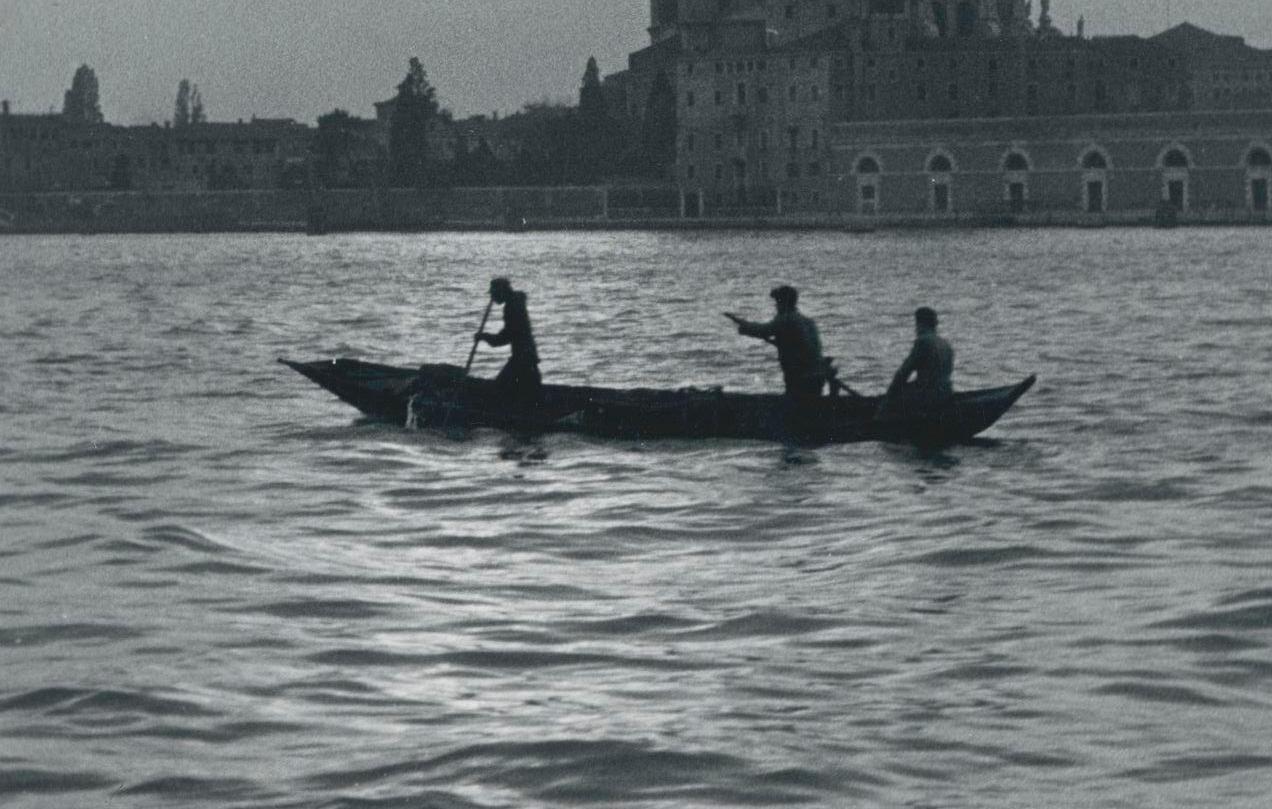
833,380
476,340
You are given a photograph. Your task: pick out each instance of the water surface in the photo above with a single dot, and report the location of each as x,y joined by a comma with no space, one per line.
221,588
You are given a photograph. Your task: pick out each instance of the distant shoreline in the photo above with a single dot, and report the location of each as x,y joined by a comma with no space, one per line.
492,210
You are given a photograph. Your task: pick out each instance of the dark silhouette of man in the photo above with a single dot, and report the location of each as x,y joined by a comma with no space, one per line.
519,382
931,363
799,348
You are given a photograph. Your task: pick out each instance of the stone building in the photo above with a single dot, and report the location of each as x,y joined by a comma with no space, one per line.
1225,73
52,153
761,86
1202,166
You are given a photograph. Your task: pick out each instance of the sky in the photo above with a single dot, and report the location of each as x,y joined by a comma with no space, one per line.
302,58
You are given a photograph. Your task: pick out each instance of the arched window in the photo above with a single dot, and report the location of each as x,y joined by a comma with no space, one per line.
966,16
940,164
1094,161
1016,162
1175,159
1259,159
867,165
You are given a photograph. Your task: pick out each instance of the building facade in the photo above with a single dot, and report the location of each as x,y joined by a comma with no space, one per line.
52,153
1200,167
761,86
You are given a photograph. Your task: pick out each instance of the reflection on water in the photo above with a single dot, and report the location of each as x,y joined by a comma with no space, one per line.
221,588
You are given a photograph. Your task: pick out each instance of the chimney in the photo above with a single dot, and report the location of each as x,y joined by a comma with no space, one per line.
5,106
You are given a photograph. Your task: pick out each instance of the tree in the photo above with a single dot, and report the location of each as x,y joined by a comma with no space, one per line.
181,114
81,102
345,153
658,136
414,109
595,132
197,115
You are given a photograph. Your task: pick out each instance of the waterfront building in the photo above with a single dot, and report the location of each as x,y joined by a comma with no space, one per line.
55,153
770,96
1225,73
1198,166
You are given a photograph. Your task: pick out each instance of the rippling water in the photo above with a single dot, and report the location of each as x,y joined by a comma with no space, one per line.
220,588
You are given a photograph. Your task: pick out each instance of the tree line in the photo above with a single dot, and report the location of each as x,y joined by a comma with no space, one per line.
544,143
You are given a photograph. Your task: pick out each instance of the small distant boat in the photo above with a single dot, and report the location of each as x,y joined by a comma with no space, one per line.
442,396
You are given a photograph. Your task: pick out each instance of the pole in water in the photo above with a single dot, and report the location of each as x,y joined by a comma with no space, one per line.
468,365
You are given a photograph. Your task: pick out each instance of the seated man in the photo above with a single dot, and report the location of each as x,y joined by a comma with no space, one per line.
798,345
519,382
931,363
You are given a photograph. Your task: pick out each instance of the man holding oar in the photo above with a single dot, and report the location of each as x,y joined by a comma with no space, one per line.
798,346
519,382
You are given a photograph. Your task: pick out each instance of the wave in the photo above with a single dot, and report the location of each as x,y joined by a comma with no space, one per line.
49,782
63,701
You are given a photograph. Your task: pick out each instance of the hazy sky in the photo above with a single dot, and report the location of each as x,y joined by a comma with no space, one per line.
301,58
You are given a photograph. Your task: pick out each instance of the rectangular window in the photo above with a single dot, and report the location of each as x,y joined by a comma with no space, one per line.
832,11
690,142
719,171
920,92
719,98
815,140
761,95
814,92
689,99
741,94
690,171
941,198
764,140
793,93
1095,197
1016,197
719,141
792,171
1259,195
790,11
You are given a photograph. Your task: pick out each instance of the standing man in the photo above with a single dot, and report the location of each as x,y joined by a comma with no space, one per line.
931,363
798,345
519,381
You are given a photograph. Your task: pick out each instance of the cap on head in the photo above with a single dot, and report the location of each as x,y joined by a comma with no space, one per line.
500,286
925,317
785,296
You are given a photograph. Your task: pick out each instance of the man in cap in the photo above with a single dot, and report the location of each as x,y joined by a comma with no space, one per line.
931,363
799,348
519,381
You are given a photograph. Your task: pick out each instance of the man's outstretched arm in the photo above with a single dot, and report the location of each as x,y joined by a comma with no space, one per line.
760,331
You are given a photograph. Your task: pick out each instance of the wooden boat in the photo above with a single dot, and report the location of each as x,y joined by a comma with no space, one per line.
441,396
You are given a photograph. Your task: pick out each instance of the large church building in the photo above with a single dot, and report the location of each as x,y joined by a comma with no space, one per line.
901,109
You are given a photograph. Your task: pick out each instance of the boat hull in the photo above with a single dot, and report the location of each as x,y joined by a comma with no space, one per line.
442,396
